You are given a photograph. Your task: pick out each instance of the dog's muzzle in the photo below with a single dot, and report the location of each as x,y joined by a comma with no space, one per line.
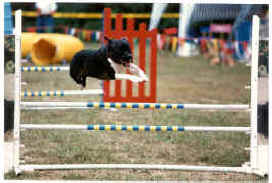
126,61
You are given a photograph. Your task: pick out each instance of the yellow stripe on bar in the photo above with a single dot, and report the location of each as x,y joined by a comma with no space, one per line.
141,128
108,127
118,127
96,127
118,105
141,106
96,104
163,128
129,128
163,106
107,105
152,128
43,93
129,105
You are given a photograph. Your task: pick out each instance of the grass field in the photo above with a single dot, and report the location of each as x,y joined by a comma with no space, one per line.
180,80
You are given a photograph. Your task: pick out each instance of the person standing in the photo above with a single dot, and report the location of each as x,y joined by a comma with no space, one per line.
45,20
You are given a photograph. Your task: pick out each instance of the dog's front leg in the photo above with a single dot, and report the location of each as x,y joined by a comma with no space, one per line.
136,70
133,78
83,83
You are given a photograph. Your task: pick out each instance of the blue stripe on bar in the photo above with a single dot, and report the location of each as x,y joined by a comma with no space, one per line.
40,93
101,127
55,93
58,68
157,106
62,93
135,128
168,106
147,128
32,94
146,106
124,105
90,104
43,69
180,128
112,105
101,105
113,127
51,69
124,127
158,128
47,93
25,94
90,127
28,68
180,106
169,128
135,105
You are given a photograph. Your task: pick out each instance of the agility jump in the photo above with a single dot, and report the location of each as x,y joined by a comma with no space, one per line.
252,130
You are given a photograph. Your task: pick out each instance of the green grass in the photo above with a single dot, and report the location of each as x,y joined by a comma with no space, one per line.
180,80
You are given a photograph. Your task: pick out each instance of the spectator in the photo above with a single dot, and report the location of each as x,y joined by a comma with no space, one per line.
45,11
8,22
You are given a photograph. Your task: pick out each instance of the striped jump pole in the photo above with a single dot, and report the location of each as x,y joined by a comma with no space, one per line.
147,128
61,93
44,69
33,105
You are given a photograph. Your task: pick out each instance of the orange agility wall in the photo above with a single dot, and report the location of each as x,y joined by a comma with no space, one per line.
124,91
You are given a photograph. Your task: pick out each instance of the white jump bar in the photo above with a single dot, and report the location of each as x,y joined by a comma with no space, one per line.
186,128
230,107
32,167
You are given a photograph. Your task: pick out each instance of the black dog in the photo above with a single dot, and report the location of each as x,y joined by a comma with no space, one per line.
105,63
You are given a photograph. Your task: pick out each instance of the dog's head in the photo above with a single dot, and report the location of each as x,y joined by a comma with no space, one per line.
119,51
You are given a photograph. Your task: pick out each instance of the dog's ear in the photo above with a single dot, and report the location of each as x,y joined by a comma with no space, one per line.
124,38
107,39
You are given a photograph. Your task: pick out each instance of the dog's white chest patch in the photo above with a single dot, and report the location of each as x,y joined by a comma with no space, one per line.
116,67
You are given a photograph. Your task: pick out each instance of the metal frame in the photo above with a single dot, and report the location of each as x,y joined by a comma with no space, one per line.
252,168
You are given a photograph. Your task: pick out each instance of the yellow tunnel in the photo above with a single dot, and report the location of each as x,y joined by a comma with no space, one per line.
50,48
27,40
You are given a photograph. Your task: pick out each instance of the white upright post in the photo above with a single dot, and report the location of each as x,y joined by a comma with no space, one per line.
270,103
17,90
254,93
2,105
